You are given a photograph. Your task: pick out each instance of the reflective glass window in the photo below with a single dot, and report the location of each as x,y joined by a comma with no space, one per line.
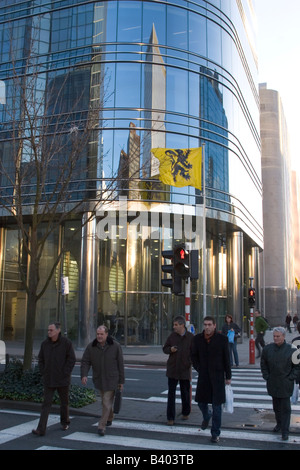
128,85
197,34
129,22
177,27
214,41
177,90
154,15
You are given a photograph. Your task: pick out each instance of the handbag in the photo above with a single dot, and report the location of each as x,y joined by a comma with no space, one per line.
294,398
231,335
228,406
118,400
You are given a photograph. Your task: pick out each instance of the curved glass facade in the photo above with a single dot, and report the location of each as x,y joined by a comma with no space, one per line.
178,74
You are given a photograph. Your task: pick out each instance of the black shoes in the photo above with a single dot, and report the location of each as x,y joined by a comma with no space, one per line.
36,432
205,423
39,433
285,435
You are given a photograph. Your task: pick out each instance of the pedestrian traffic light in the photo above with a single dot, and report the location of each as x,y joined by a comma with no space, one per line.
181,261
251,296
186,263
174,281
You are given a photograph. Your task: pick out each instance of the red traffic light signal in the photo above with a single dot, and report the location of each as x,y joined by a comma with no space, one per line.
251,296
181,261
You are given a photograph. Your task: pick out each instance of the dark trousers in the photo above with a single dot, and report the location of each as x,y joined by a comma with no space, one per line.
282,410
185,397
259,341
216,417
233,353
63,393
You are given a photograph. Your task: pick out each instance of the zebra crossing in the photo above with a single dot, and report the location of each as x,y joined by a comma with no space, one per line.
154,436
249,390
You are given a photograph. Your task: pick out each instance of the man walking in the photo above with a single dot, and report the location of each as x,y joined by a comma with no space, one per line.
179,368
210,358
280,371
56,361
261,327
105,356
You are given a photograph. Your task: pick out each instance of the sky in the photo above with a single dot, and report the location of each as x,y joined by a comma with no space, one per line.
278,45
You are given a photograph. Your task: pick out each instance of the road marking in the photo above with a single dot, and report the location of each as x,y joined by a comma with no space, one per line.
195,431
52,448
138,442
9,434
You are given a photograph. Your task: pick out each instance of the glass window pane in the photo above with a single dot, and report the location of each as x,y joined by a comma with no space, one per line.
197,34
154,16
129,21
177,28
177,90
128,84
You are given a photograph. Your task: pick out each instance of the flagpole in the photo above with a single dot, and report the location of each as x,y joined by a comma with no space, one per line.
204,231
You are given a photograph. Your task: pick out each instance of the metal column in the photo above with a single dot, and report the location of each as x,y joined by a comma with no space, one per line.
88,281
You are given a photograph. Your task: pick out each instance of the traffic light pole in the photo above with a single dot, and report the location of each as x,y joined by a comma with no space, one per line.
251,342
188,303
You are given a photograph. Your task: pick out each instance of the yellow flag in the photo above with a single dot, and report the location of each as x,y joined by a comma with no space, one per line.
298,283
180,167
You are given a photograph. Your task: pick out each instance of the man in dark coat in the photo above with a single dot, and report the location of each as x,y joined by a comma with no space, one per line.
56,362
280,368
210,358
179,368
105,356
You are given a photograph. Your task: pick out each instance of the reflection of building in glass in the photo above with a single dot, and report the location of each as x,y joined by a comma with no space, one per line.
146,75
213,118
129,167
155,105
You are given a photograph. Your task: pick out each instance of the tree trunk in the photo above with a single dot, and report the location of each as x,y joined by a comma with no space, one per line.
29,330
33,282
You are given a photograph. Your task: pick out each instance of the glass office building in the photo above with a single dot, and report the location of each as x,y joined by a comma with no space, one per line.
171,74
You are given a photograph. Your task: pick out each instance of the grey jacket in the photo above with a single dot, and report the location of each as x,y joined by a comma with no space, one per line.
279,370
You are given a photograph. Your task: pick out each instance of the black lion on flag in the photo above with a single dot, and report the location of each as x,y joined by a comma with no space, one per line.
179,163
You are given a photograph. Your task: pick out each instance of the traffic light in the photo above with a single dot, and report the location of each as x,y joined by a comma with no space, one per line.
173,282
194,264
186,263
167,268
181,261
251,296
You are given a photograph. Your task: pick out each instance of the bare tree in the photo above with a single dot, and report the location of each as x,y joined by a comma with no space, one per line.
49,170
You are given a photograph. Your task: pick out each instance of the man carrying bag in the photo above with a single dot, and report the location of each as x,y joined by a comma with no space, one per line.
105,356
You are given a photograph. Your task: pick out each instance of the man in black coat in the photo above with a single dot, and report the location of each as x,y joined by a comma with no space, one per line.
56,362
210,358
